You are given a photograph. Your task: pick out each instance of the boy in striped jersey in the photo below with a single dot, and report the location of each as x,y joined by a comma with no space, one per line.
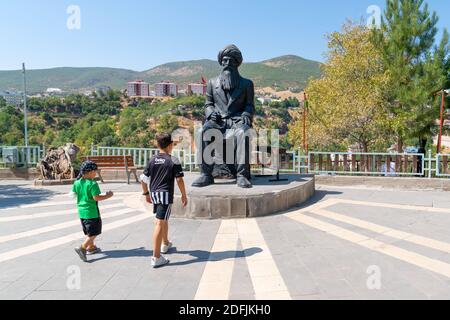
160,175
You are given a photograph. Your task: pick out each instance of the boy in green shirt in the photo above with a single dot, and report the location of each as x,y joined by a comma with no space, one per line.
88,195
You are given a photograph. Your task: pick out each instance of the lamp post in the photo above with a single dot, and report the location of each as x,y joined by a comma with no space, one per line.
443,93
25,103
305,118
25,117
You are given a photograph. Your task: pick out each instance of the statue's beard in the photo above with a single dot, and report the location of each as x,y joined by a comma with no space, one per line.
229,78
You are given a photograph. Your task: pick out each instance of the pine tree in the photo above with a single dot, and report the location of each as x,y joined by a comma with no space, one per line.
415,66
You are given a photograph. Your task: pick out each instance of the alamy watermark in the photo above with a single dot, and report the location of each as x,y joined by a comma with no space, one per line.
74,18
374,280
73,281
374,19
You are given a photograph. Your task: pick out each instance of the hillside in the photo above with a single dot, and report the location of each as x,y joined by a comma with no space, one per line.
285,71
67,79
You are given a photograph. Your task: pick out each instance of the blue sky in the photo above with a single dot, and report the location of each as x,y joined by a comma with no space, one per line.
141,34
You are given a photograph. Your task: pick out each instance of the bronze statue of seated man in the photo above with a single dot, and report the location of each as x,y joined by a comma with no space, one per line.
229,110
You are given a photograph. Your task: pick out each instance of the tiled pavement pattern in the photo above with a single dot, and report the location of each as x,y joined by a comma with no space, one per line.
339,246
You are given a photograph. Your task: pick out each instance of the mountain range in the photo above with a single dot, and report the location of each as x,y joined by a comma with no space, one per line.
285,71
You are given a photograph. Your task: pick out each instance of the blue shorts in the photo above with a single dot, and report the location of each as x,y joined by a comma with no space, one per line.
162,211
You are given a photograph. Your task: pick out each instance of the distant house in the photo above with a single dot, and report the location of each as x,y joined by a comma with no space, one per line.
103,88
138,88
196,89
53,91
166,89
265,101
12,98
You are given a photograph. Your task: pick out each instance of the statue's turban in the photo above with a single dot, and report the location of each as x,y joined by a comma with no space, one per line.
231,51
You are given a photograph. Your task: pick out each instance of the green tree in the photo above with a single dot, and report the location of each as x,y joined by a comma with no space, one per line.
167,123
346,104
415,66
11,126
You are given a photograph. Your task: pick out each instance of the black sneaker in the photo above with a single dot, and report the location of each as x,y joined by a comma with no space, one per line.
96,250
82,253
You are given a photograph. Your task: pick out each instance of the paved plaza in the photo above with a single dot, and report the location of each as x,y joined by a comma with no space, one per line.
345,243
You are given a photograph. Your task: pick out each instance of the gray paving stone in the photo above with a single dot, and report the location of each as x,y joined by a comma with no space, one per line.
144,294
4,284
336,288
407,292
119,293
179,291
91,280
313,264
10,272
20,289
61,295
309,297
241,296
241,283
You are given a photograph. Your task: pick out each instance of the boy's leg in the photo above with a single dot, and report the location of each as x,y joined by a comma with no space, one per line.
92,244
165,235
158,237
88,243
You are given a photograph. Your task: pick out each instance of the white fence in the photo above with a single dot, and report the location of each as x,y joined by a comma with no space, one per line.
290,163
21,156
326,163
141,156
360,163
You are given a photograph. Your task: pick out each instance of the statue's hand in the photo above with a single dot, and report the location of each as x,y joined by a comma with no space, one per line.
247,120
215,116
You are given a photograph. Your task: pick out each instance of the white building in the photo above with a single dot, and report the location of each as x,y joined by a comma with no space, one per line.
53,90
12,98
196,89
166,89
138,88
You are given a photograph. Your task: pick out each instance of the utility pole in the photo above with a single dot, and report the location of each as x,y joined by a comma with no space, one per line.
442,111
27,151
25,104
305,120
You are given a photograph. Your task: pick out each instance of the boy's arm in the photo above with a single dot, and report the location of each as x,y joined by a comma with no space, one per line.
96,193
72,192
180,183
108,195
178,174
145,180
146,192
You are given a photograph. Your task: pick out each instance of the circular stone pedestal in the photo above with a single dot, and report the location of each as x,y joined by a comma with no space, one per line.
226,200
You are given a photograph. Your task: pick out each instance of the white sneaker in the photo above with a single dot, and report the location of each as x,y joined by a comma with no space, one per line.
166,248
156,263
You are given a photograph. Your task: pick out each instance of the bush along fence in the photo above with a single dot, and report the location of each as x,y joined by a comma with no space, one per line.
320,163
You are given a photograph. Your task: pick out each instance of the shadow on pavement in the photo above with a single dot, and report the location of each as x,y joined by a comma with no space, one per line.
318,196
15,195
199,255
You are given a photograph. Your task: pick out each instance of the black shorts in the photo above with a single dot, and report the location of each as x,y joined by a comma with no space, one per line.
162,211
92,227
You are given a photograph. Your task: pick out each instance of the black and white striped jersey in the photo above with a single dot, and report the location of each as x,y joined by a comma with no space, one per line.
160,174
160,197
